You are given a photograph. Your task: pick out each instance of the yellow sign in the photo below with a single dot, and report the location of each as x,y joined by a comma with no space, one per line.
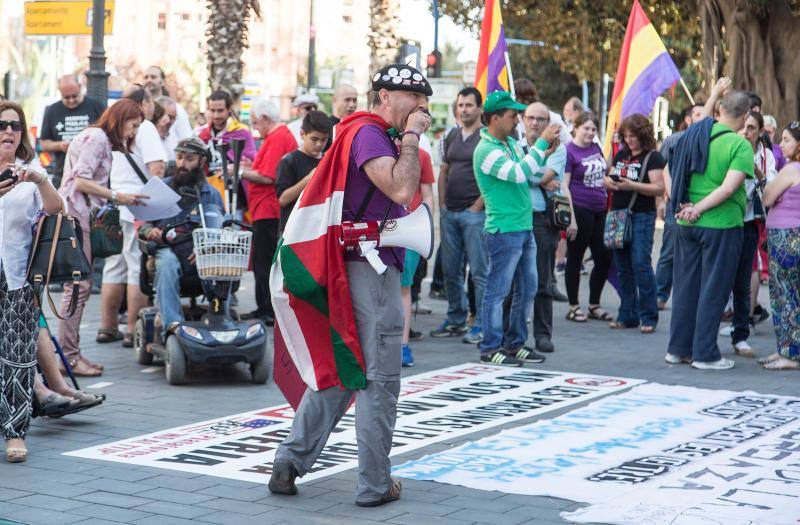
64,18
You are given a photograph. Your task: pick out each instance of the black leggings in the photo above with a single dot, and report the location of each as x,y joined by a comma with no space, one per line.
265,242
590,235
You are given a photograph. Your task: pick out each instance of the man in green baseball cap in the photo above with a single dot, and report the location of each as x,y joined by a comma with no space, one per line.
504,175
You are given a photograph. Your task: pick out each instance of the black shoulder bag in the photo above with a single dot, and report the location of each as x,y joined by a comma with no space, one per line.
57,256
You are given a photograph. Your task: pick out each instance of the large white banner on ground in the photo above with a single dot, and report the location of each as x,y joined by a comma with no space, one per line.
657,455
433,407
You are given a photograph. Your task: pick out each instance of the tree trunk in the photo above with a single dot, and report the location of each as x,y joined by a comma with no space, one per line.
757,48
227,39
382,38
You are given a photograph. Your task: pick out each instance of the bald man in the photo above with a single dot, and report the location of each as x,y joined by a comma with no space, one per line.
345,102
65,119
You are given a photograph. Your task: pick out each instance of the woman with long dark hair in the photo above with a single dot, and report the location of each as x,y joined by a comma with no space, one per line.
583,186
85,187
25,192
782,195
637,180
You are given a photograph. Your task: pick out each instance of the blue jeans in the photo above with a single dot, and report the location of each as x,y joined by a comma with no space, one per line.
512,258
704,272
664,267
637,282
463,234
167,281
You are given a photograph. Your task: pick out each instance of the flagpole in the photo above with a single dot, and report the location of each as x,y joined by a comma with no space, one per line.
510,76
686,90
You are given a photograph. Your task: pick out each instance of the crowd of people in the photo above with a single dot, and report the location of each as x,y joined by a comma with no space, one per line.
519,189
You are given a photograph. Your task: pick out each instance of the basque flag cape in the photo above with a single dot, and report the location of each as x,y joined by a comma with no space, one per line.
308,282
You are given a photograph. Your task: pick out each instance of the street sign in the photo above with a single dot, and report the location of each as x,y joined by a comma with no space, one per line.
64,18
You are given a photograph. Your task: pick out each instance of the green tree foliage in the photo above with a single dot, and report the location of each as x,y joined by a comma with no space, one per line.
580,35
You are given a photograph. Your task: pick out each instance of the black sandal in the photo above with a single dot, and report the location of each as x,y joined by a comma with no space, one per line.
603,316
392,495
575,314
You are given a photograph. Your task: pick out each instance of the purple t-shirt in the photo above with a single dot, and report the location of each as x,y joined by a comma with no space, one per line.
588,167
369,143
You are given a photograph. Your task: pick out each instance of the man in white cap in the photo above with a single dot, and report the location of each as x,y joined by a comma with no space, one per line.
304,103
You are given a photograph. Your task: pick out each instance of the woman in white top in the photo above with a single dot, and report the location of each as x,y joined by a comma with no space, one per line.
23,196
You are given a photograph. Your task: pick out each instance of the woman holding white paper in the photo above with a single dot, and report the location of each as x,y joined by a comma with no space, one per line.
85,187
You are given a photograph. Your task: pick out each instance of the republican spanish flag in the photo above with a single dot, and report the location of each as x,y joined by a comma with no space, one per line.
645,71
491,74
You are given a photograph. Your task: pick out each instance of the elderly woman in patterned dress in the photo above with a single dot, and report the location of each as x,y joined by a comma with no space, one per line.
25,192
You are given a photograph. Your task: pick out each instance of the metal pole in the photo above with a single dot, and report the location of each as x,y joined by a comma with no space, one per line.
97,75
436,25
311,47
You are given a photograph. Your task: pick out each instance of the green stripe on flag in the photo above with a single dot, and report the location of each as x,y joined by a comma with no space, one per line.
350,372
300,283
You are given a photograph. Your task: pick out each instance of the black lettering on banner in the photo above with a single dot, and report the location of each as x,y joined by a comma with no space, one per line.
528,377
244,448
738,407
695,449
449,395
755,453
724,497
568,392
278,435
639,470
792,476
262,439
701,473
191,459
749,429
408,434
409,408
264,468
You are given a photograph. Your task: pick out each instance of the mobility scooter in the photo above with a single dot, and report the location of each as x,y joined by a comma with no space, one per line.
211,334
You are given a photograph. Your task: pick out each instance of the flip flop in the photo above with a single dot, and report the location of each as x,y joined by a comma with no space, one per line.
768,359
576,315
782,364
646,329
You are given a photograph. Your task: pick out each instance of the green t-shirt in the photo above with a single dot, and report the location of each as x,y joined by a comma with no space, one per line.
504,173
727,152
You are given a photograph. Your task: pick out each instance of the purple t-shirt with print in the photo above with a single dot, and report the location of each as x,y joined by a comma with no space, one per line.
587,167
369,143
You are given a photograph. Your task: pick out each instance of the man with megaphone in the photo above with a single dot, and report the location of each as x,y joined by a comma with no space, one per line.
335,283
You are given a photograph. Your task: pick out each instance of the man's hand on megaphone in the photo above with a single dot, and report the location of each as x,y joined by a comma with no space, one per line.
550,133
418,121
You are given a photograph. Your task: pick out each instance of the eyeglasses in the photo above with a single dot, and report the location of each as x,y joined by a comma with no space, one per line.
15,125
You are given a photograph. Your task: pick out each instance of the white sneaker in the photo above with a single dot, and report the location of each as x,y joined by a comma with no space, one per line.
743,349
721,364
726,330
676,360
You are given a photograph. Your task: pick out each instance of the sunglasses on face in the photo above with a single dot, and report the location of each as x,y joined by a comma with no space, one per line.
15,125
793,125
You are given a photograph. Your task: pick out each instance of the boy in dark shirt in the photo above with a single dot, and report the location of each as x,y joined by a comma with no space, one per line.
296,168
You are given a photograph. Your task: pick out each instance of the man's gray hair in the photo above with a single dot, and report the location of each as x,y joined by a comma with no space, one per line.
736,103
577,105
164,101
769,120
264,108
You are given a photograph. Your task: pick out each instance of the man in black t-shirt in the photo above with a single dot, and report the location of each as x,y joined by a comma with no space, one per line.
66,118
296,168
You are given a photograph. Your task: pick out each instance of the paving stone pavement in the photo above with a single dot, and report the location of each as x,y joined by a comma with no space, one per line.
54,489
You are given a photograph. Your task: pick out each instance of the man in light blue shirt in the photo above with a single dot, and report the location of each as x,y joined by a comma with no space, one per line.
547,180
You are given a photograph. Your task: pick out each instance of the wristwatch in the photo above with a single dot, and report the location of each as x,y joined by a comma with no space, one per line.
114,196
411,132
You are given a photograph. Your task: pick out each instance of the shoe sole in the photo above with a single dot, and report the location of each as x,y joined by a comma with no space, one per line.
711,367
276,490
448,334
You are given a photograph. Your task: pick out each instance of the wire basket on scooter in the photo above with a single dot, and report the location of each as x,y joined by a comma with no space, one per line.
221,255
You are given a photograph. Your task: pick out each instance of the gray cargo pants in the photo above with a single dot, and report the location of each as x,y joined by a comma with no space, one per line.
379,319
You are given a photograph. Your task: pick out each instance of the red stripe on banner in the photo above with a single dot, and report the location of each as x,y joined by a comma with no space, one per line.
285,373
637,20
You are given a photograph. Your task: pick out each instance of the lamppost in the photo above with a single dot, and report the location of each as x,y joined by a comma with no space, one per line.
98,76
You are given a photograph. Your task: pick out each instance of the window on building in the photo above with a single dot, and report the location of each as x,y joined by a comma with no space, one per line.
347,19
185,16
162,20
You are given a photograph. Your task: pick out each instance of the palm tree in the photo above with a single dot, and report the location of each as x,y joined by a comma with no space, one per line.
382,38
227,39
